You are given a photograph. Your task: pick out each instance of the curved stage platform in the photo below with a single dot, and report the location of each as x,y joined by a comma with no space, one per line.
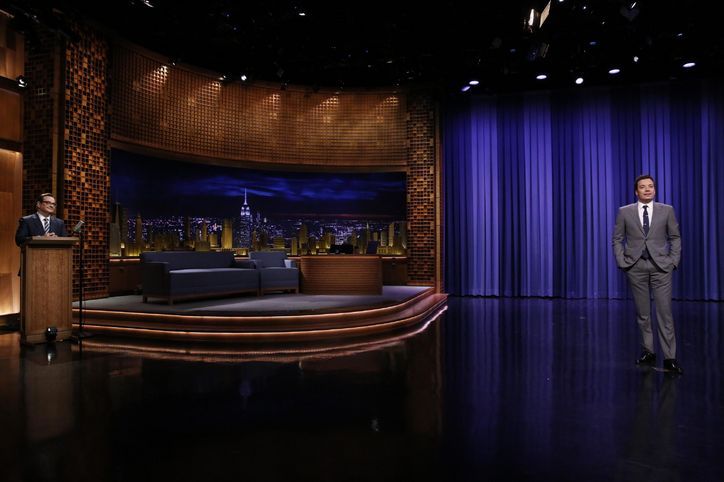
271,318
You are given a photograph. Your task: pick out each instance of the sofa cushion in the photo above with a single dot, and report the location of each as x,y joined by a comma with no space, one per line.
269,259
190,259
185,281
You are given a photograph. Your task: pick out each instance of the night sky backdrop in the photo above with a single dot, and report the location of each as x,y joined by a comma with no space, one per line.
162,188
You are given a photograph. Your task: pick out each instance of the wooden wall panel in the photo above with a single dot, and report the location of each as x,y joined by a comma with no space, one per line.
11,116
188,112
12,50
11,170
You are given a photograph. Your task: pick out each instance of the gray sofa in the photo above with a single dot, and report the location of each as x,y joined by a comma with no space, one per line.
276,272
175,275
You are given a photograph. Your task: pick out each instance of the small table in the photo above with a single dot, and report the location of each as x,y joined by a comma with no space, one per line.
341,274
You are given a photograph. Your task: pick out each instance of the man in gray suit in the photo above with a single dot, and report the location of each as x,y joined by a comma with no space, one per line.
647,246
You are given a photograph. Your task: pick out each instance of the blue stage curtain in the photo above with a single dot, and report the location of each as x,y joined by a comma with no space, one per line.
533,183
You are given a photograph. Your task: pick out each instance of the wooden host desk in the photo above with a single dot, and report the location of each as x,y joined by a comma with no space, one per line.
341,275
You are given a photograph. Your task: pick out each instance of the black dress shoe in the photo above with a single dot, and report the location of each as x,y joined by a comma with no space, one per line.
646,358
672,366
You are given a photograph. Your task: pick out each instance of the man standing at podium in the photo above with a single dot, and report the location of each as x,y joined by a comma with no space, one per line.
42,223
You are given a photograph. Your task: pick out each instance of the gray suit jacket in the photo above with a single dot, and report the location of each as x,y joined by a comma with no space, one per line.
663,240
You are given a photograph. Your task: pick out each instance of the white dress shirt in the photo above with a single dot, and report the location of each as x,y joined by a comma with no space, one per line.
641,211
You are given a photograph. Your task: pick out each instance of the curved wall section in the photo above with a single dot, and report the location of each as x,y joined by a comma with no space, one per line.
188,112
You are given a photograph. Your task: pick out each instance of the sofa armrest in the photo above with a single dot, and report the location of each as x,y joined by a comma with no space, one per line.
155,277
244,264
290,263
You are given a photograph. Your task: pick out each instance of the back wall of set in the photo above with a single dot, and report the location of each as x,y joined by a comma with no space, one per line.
90,93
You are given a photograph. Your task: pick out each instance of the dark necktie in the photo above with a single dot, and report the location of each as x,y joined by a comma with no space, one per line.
645,254
46,225
646,220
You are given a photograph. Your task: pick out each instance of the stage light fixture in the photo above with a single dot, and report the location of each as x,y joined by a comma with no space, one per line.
688,65
636,59
541,76
614,71
474,82
51,333
22,81
465,88
244,77
630,11
579,80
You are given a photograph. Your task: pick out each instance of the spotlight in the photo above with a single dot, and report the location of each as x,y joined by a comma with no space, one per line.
541,76
689,65
244,78
22,81
302,14
465,88
51,333
474,82
614,71
636,59
579,80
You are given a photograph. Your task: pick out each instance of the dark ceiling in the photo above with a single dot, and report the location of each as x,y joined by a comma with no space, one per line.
373,43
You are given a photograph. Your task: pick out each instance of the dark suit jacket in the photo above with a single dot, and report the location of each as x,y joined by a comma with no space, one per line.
31,226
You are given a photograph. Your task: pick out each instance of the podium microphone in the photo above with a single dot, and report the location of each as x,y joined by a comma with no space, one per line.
78,229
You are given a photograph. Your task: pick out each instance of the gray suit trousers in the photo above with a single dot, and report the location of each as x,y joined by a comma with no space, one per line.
644,275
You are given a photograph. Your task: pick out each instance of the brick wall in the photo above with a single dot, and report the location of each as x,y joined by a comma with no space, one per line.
65,150
86,158
421,190
40,102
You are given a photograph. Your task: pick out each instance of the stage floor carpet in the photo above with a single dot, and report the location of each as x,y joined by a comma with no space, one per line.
272,317
249,305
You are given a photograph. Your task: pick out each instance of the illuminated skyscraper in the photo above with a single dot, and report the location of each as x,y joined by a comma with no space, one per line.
391,235
303,239
245,221
227,235
187,232
139,232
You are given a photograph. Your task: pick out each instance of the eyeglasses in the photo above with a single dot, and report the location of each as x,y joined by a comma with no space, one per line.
49,202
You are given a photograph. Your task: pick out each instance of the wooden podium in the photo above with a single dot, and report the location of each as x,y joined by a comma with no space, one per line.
46,288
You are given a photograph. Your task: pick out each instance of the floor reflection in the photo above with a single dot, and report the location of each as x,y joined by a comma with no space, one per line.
494,389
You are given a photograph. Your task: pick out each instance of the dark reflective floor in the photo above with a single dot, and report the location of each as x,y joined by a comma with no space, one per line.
492,390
